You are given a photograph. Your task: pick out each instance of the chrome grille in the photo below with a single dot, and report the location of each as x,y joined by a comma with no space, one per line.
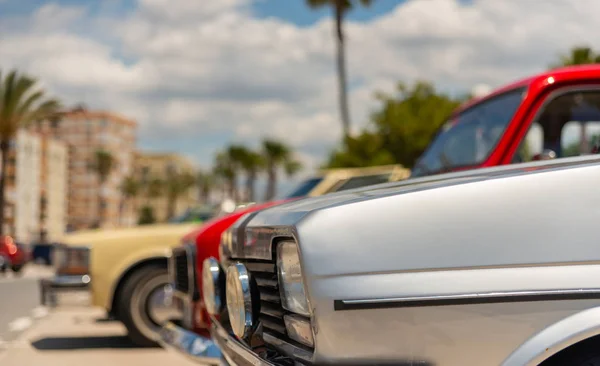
183,272
182,282
271,311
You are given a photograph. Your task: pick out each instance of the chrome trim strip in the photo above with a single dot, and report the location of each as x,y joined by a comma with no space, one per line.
193,291
189,344
469,299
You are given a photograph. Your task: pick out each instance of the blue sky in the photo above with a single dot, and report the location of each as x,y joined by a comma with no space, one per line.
294,11
198,75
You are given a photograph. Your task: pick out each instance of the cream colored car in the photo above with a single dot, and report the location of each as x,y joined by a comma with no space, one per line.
126,270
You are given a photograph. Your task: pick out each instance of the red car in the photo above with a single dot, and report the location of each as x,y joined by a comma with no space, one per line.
11,255
555,114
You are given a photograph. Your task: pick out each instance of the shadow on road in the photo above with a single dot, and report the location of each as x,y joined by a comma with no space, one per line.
105,320
78,343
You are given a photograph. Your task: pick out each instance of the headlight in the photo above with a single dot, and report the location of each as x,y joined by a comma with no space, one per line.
239,300
213,285
71,260
291,287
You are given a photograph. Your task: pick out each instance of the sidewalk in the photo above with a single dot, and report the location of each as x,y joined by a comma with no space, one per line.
76,336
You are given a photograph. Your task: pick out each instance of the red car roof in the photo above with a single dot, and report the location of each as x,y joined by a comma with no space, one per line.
558,75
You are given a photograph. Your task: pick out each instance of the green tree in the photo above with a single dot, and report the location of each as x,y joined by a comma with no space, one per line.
277,155
225,170
206,182
251,163
146,216
21,103
155,188
130,188
102,165
579,55
340,8
400,130
176,186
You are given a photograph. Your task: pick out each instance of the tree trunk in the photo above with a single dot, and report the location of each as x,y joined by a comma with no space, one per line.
4,150
232,189
583,144
205,193
250,186
271,183
171,202
341,69
100,205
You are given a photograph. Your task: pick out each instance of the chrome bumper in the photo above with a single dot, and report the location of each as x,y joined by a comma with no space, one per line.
189,344
234,353
49,287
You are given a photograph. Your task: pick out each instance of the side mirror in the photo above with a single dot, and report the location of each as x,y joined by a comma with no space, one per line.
546,154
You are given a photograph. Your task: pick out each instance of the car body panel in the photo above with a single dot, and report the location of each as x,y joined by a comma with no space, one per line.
404,289
208,237
114,251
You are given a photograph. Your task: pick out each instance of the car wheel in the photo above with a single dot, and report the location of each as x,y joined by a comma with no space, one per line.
145,304
17,268
586,353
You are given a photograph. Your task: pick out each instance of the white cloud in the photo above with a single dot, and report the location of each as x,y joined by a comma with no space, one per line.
206,68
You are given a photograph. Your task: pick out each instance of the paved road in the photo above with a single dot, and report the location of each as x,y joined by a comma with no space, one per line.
20,301
76,336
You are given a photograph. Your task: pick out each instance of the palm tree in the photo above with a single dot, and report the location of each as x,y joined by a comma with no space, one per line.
277,155
292,167
251,163
340,8
580,55
154,188
205,182
130,188
224,169
21,103
177,185
103,165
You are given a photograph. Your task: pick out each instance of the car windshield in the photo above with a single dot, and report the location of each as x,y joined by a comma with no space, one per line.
469,137
302,189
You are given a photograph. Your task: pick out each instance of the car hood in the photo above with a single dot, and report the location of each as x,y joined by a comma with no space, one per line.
99,236
358,223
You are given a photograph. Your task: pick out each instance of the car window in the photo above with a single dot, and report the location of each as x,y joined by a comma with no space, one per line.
468,138
302,189
362,181
531,146
567,125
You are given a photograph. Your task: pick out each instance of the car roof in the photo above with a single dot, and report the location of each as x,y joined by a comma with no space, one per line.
361,171
537,81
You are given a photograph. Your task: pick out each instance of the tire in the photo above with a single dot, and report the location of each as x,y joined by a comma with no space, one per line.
133,304
17,269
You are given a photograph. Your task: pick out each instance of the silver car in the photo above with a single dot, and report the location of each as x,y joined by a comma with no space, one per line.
497,266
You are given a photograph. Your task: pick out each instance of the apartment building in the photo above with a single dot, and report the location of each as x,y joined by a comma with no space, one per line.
149,166
54,189
26,191
42,170
85,133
